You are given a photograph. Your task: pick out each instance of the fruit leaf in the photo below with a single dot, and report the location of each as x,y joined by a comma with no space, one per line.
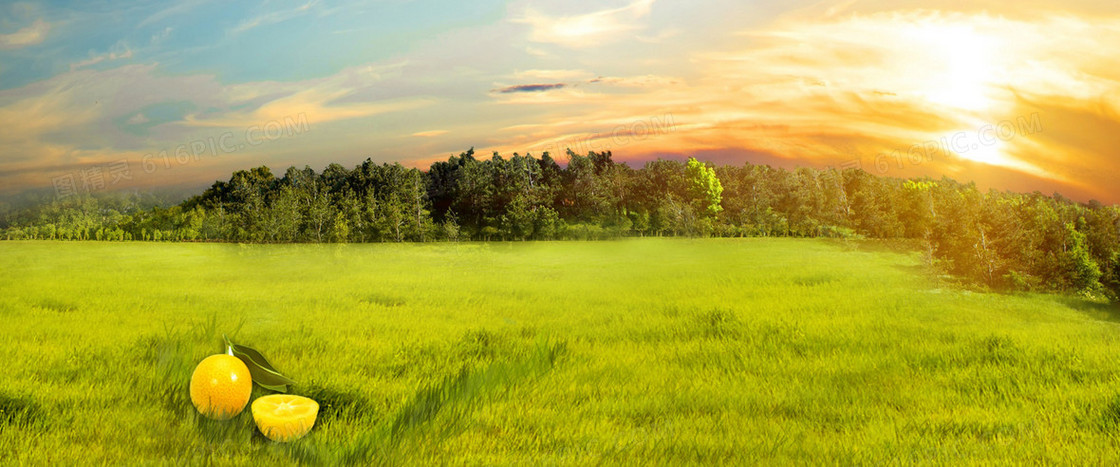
262,372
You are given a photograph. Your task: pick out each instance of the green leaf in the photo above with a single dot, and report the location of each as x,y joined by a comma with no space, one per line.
262,372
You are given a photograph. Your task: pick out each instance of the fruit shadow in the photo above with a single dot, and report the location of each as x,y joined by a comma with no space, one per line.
220,431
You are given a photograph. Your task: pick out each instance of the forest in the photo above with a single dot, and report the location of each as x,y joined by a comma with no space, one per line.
1000,240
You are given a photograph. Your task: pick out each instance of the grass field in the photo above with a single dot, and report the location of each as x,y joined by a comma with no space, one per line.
640,351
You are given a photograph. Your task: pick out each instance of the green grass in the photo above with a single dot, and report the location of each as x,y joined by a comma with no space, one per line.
631,352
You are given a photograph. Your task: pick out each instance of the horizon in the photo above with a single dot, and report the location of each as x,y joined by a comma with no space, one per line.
179,193
1020,99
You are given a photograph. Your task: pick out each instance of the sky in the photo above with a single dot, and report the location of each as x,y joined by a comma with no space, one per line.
98,96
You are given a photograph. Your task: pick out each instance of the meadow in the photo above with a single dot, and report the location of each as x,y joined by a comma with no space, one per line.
643,351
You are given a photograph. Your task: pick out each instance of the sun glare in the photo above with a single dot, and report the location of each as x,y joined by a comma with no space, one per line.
959,65
978,147
990,153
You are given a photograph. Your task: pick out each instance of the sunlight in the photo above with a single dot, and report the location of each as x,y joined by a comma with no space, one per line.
979,142
988,152
959,64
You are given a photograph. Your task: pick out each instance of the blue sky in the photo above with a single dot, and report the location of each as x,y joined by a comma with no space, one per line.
84,85
237,42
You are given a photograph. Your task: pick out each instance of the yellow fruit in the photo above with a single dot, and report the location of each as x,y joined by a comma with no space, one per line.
284,417
220,386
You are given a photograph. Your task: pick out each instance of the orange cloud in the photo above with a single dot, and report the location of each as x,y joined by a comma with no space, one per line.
835,87
587,29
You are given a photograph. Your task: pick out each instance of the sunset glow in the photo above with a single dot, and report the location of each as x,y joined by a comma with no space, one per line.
843,84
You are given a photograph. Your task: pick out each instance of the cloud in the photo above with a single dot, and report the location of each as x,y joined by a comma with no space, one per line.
645,81
1076,140
161,36
138,119
274,17
30,35
88,116
180,8
107,56
835,87
64,119
615,82
820,85
531,88
905,70
661,36
536,52
587,29
553,75
321,100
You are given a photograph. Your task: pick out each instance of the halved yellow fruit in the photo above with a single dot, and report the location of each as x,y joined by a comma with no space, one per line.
284,417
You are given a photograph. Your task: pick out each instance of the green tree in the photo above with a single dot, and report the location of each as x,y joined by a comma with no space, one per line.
705,187
1082,271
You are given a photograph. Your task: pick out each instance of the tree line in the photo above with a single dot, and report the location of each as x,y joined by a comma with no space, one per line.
1001,239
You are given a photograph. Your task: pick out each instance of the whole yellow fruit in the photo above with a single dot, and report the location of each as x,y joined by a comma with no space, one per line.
284,417
220,386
